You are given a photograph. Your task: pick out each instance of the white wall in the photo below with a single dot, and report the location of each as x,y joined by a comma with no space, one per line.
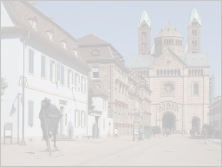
37,88
5,18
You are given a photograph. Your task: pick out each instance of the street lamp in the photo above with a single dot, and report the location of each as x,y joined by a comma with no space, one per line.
23,82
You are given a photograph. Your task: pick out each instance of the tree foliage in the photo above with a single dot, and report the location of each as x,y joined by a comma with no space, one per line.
4,85
90,102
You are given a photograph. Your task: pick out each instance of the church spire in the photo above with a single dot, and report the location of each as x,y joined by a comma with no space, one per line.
194,15
144,17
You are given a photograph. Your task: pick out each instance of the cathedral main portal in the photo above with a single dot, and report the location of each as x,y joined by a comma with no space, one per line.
168,121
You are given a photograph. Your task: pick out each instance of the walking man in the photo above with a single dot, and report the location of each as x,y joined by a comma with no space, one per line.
115,133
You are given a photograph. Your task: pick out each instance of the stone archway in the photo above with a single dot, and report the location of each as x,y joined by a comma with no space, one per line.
169,121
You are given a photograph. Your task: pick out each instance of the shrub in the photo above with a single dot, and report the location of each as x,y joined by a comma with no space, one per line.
209,128
156,129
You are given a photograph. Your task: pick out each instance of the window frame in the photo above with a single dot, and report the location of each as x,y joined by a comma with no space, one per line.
31,64
45,66
97,67
62,74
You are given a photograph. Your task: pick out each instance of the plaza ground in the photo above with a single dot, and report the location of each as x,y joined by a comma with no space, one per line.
174,150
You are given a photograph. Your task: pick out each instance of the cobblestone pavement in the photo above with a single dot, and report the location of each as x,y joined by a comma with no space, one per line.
174,150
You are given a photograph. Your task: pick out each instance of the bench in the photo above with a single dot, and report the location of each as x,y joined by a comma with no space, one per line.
8,127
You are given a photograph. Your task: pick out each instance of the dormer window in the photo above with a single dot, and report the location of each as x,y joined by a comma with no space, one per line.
32,22
95,52
49,34
74,49
63,42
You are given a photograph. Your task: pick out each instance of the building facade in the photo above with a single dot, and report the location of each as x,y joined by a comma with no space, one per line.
178,74
110,74
36,49
99,124
215,110
212,88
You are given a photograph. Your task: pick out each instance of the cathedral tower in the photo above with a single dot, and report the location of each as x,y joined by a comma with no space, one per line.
194,32
144,34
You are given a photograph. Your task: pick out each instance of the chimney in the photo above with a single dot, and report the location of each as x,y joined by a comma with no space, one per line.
33,3
52,18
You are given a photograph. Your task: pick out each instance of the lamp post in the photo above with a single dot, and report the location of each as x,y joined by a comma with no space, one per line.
23,82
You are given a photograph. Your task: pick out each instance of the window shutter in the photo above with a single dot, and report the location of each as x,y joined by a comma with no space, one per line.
104,125
79,117
85,119
30,113
68,73
73,77
58,72
43,71
50,70
62,74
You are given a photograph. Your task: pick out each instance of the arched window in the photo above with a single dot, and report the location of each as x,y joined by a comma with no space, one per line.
192,71
178,72
195,72
168,72
175,72
143,35
201,72
196,89
189,72
161,72
157,72
171,72
164,72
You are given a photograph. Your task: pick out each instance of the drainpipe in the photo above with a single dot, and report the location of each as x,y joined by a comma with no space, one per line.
203,100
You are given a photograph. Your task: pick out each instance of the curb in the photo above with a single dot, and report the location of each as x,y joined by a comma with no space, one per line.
214,142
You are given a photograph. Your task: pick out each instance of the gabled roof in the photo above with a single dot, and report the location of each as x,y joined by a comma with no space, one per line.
22,11
194,15
196,59
91,39
170,31
144,17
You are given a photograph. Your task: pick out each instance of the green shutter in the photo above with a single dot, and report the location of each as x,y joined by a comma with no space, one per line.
50,66
62,74
30,113
58,71
80,118
104,125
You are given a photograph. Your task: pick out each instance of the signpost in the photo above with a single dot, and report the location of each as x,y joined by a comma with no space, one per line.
8,131
136,130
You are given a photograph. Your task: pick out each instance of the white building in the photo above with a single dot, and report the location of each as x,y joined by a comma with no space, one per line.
215,114
35,47
98,117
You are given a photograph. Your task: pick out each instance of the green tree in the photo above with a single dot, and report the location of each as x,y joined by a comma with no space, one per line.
4,85
90,102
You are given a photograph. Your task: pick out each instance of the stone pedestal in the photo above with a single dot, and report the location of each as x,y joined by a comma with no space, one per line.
46,154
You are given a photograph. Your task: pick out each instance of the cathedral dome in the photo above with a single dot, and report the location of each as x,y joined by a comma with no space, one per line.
169,31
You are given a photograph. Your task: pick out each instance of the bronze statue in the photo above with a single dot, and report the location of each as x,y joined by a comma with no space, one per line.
49,116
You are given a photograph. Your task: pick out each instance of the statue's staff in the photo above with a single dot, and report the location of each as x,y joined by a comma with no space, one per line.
47,140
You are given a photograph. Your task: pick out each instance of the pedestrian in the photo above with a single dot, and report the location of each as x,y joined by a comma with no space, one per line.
115,133
205,134
98,132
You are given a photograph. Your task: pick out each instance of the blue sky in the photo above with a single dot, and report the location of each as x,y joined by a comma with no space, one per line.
117,22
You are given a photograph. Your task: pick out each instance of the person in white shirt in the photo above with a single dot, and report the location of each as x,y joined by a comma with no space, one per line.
115,133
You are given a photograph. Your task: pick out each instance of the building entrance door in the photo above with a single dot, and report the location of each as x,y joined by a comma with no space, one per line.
168,121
